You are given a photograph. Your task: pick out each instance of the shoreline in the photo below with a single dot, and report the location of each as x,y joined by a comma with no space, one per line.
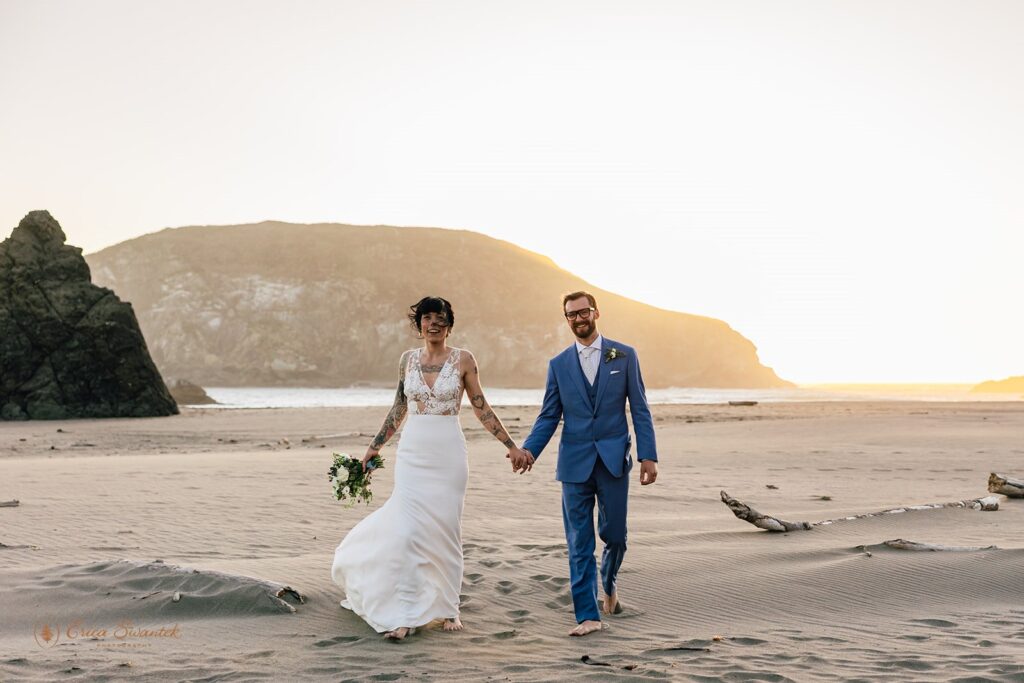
230,398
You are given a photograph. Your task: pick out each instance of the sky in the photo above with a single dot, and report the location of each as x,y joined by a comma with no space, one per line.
838,181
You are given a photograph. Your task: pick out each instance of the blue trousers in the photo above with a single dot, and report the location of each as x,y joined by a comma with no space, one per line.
611,494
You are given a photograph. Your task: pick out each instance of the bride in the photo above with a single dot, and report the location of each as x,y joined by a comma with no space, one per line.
401,566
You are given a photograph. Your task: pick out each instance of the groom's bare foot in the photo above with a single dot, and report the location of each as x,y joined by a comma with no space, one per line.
452,624
399,633
586,627
611,604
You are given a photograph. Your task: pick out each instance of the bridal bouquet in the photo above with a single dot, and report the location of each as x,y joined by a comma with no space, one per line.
349,480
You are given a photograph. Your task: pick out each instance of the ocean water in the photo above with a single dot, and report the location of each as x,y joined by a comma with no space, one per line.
295,397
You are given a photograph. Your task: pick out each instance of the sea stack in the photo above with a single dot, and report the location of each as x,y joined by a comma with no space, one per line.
68,348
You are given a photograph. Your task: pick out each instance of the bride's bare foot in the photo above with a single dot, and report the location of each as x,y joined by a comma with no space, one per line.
399,633
586,627
452,624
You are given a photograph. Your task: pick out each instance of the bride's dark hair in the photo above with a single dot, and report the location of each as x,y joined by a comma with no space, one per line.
431,304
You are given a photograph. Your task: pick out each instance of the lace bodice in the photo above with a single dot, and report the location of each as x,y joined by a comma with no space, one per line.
446,396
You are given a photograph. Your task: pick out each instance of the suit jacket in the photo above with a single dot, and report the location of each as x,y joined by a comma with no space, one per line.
594,429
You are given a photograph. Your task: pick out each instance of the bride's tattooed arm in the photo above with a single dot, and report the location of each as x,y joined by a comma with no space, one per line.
395,416
482,409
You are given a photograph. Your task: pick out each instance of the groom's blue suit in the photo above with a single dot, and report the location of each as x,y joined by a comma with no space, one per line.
594,459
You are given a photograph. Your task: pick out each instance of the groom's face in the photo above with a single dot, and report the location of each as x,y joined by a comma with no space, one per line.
582,321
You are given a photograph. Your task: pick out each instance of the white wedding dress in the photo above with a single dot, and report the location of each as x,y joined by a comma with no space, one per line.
402,564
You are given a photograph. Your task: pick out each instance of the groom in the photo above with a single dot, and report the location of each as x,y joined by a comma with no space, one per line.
588,385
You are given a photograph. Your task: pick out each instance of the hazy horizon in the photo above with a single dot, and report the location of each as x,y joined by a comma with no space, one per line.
839,182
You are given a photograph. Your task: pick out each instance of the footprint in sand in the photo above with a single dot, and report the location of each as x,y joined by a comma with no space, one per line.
544,548
815,639
937,623
506,587
747,641
560,602
552,583
907,663
693,645
537,552
336,641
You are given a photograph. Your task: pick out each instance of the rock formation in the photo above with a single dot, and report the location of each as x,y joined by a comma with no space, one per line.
68,348
187,393
278,304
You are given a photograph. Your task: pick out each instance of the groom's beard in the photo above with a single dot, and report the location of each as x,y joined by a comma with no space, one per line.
585,331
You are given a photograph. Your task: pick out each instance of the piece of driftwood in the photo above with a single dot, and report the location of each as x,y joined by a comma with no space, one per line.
749,514
10,504
1000,483
986,504
339,435
743,403
18,547
769,523
903,544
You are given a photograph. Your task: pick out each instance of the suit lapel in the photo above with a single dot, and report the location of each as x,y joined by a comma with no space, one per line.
603,370
572,363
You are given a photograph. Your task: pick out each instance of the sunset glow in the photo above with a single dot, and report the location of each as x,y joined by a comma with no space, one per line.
840,182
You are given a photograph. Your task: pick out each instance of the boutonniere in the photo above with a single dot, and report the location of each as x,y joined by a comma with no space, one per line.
613,353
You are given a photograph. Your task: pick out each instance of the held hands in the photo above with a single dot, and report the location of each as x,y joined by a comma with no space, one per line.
648,472
522,460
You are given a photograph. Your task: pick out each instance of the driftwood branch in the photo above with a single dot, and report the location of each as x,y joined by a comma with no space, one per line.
769,523
749,514
16,503
986,504
1000,483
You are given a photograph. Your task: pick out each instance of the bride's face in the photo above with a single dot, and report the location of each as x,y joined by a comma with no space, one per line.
434,326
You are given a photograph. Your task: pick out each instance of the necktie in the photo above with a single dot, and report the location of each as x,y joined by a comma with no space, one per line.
589,366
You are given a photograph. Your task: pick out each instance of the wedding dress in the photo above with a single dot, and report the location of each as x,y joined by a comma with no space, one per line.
402,564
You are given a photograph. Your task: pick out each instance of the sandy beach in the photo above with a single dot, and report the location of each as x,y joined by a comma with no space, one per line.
161,549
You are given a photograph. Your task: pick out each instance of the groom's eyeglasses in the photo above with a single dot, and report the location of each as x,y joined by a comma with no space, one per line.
583,313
